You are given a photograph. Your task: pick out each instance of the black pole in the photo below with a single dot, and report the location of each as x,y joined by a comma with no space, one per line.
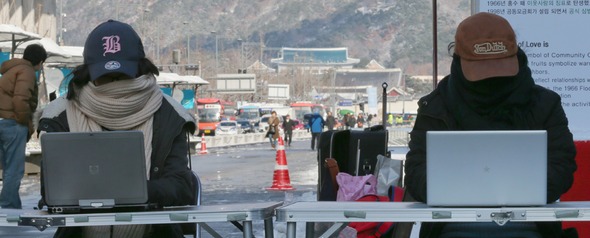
384,106
434,45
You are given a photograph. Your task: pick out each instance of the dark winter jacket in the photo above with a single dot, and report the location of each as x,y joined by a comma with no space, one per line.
351,122
171,182
330,122
525,107
288,126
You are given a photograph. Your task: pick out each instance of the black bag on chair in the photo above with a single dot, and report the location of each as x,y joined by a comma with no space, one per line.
326,149
355,152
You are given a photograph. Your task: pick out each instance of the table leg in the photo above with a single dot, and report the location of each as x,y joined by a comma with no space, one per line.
247,229
268,228
291,228
309,229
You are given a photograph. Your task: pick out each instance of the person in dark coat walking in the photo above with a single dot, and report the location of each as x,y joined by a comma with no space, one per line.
491,89
330,121
351,122
288,125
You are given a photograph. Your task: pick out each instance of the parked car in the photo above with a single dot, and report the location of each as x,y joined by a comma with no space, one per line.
228,128
246,126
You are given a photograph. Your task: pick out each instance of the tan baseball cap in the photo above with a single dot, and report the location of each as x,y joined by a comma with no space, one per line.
487,46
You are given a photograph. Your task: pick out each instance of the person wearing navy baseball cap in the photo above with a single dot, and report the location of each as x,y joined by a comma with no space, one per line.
115,89
113,47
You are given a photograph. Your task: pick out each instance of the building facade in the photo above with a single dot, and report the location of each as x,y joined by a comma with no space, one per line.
316,60
37,16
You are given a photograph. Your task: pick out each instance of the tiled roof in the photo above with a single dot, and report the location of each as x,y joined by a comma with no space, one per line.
374,65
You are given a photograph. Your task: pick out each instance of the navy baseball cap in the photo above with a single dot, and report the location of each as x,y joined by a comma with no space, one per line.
113,47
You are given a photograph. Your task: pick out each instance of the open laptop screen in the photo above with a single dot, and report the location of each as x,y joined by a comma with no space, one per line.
94,169
486,168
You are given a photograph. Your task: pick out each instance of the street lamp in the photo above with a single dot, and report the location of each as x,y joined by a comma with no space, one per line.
61,23
188,46
241,54
216,53
384,105
143,22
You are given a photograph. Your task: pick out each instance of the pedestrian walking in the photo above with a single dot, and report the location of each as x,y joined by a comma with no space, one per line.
330,121
316,125
273,129
360,121
288,125
351,121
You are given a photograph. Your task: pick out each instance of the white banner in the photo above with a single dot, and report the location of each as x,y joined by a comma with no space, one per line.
554,34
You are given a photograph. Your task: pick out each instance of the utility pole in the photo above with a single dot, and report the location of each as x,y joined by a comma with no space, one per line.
158,45
145,10
334,91
216,53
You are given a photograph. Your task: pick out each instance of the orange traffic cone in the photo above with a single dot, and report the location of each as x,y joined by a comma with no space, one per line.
203,145
281,180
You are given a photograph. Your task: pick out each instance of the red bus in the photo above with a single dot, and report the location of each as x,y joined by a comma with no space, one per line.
229,110
209,111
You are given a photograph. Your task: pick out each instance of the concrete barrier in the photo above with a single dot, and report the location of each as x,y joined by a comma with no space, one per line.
398,136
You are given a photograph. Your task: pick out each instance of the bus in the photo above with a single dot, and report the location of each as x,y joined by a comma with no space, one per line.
249,113
303,111
302,108
229,110
280,109
209,111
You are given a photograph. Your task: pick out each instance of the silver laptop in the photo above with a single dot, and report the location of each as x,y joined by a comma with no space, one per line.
93,170
486,168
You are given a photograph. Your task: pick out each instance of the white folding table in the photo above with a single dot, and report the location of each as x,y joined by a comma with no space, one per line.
344,212
241,212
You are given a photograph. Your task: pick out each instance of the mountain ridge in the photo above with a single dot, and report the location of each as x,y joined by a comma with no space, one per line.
394,33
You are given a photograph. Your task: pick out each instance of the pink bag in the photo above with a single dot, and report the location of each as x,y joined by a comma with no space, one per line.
352,188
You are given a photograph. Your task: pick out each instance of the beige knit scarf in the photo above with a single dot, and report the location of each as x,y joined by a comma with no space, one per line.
119,105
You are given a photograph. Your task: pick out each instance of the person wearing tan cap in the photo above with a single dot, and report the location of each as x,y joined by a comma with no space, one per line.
491,87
